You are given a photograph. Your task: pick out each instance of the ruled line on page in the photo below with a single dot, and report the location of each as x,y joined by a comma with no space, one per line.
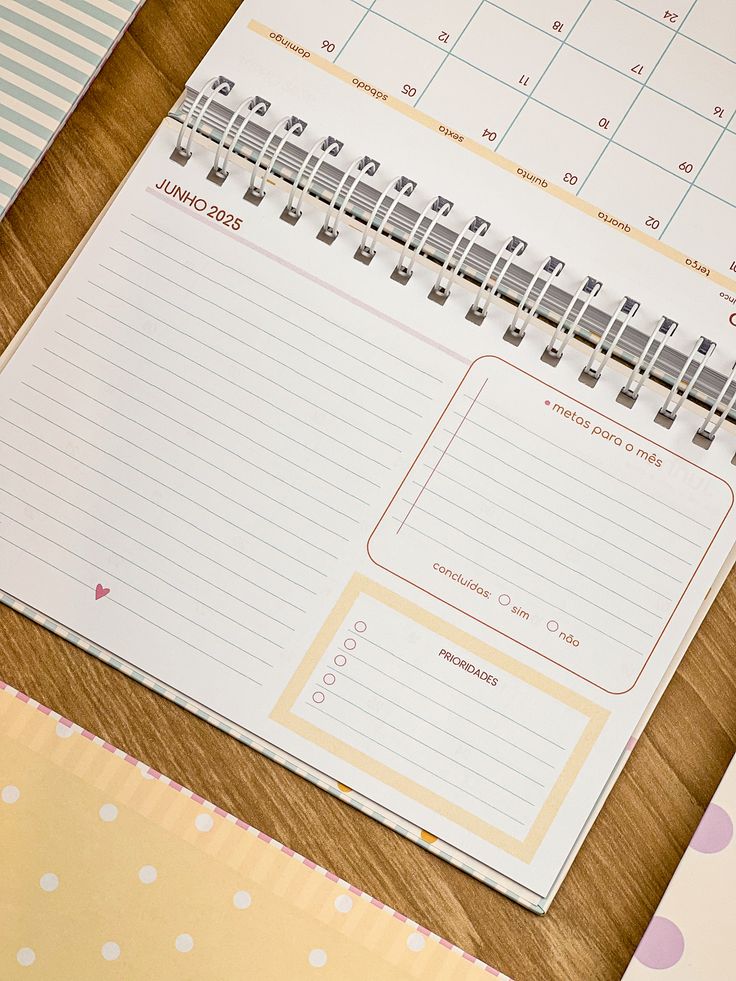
197,598
217,374
172,466
190,405
188,381
237,432
184,473
553,558
56,471
160,412
606,473
146,545
590,532
191,500
599,514
209,463
280,362
453,550
412,737
464,695
342,673
556,447
414,764
154,600
148,595
157,528
360,338
136,613
296,326
562,541
432,472
470,535
210,347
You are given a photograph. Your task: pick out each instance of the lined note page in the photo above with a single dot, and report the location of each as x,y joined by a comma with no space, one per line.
537,516
193,438
214,431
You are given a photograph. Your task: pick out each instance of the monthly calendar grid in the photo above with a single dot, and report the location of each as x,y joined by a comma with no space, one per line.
368,8
697,156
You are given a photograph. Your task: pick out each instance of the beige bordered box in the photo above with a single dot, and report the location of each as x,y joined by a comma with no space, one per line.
360,586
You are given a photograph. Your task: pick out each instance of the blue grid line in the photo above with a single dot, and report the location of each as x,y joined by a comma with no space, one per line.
636,98
698,173
581,51
549,65
354,30
449,52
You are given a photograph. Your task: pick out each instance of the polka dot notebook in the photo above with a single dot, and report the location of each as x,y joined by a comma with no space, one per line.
112,870
688,938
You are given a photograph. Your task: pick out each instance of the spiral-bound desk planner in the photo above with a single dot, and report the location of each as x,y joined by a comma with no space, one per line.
375,454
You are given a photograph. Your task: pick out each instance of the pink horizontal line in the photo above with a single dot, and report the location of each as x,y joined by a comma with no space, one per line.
314,279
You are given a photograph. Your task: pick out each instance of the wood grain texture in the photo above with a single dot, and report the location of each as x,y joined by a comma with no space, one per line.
623,867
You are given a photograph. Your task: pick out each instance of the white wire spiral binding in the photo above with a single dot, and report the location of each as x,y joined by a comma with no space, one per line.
643,367
549,270
452,267
585,293
404,188
327,147
361,165
435,210
511,249
474,229
219,85
706,433
611,336
698,358
257,186
254,106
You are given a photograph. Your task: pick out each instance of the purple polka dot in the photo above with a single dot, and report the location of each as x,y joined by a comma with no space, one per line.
714,832
662,945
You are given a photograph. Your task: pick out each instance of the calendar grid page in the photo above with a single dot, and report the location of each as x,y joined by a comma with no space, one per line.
626,107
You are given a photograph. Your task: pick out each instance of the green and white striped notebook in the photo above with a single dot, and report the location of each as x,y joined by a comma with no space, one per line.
50,50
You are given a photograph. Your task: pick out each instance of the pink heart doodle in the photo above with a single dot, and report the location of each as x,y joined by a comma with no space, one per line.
101,591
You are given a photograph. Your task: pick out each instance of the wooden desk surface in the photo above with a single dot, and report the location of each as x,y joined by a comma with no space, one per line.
622,869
